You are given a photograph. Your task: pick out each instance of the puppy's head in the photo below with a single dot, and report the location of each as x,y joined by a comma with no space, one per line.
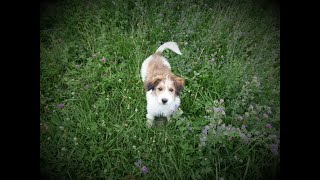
166,89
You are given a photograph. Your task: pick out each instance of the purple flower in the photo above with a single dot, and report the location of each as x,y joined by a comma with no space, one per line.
60,106
94,55
138,163
221,101
103,60
244,138
144,169
216,110
243,126
205,130
268,125
240,118
77,66
274,149
249,135
223,126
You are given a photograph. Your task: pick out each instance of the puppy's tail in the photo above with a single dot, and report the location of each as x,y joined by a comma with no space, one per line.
169,45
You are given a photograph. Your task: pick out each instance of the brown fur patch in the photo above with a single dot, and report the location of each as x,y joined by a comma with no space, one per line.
157,72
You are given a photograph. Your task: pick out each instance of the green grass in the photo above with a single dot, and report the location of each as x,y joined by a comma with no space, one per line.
101,130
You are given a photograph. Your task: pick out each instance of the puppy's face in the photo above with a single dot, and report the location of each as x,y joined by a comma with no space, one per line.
166,89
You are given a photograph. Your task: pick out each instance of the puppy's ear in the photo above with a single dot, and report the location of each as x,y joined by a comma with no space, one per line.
152,83
178,83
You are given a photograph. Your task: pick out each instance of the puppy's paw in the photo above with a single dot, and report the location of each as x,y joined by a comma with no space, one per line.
149,123
169,119
149,120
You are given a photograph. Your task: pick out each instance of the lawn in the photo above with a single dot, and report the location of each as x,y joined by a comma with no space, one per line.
93,105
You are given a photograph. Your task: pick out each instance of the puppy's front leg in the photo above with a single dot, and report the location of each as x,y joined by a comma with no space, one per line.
149,120
169,119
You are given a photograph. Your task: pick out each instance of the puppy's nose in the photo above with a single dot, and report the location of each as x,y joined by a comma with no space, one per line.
164,100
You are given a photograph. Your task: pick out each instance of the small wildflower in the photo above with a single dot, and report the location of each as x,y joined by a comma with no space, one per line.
223,126
214,126
215,101
212,60
138,163
60,106
103,60
144,170
206,117
76,143
219,121
63,149
202,140
265,115
250,107
87,86
136,110
119,80
240,118
134,147
235,157
249,135
223,113
243,126
77,66
188,124
94,55
75,139
61,127
257,133
216,110
246,114
221,101
274,149
205,130
268,125
49,138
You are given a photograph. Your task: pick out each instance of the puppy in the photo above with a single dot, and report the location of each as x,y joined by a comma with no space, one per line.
161,85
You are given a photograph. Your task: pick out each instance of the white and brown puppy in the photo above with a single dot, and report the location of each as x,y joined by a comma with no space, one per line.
161,85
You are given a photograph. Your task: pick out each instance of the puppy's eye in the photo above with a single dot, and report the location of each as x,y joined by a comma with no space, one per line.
170,89
160,89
